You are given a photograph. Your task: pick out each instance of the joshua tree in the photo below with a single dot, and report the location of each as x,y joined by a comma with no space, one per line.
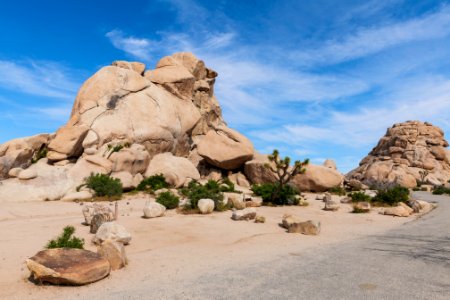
423,175
284,172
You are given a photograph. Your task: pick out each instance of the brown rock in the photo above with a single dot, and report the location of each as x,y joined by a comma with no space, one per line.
225,148
317,179
308,227
67,142
68,266
114,252
257,172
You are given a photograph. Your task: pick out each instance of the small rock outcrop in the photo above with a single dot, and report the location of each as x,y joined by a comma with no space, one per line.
206,206
112,231
153,210
409,153
68,266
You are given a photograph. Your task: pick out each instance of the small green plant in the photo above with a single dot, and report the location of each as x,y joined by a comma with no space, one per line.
210,190
168,199
441,190
338,190
66,240
153,183
41,153
286,196
360,197
392,196
103,185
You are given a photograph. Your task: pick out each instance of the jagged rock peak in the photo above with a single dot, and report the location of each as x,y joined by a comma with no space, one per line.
409,153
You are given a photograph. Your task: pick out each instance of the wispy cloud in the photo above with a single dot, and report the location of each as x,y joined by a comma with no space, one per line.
39,78
367,41
137,47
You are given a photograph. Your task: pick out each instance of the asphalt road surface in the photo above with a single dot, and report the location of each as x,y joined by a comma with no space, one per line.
410,262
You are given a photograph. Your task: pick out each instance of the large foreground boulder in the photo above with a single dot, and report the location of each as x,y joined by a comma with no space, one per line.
68,266
257,172
409,153
317,179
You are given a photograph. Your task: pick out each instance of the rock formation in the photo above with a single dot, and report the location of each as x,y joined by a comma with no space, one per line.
129,122
409,153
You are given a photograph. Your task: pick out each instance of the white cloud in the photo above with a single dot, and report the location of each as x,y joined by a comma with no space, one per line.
39,78
137,47
367,41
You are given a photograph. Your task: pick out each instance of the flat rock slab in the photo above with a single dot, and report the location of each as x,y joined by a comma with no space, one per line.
65,266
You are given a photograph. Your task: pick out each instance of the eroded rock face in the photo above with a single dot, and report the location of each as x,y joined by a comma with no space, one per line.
68,266
409,152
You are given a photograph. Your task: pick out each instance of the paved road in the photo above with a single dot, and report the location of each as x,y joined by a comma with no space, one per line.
410,262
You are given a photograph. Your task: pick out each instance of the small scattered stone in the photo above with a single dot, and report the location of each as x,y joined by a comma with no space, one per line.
112,231
153,209
260,219
114,252
308,227
206,206
244,214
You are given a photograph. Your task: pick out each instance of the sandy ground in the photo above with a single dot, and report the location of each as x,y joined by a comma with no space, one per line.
171,248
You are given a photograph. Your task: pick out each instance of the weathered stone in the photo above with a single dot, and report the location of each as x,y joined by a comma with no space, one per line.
114,252
98,219
235,200
331,205
288,220
153,209
329,163
90,210
257,172
68,266
225,148
307,228
244,214
112,231
14,172
260,219
206,206
362,206
27,174
317,179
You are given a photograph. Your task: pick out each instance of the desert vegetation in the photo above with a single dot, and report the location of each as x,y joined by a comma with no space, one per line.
66,240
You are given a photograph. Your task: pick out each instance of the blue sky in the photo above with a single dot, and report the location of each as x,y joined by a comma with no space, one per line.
315,79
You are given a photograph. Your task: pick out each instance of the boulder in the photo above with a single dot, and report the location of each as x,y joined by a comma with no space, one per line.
112,231
138,67
153,210
239,180
206,206
362,206
254,202
331,205
307,228
78,196
235,200
126,179
260,219
134,159
288,220
90,210
225,148
406,152
67,142
317,179
398,211
14,172
176,170
329,163
27,174
114,252
19,153
257,172
68,266
244,214
99,219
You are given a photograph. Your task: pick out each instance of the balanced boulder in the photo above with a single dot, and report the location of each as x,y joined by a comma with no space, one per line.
317,179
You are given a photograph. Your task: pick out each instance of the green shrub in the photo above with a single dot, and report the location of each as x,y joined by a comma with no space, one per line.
168,199
360,197
153,183
211,190
227,186
392,196
338,190
440,190
66,240
41,153
103,185
267,191
357,210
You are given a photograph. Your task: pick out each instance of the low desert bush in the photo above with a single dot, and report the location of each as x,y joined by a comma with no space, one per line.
392,196
41,153
210,190
441,190
153,183
360,197
66,240
168,199
103,185
337,190
286,195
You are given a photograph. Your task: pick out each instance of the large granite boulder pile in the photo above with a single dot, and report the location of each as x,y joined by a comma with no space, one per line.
130,122
409,153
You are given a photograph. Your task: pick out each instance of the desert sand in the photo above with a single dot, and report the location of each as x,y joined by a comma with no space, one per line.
168,249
